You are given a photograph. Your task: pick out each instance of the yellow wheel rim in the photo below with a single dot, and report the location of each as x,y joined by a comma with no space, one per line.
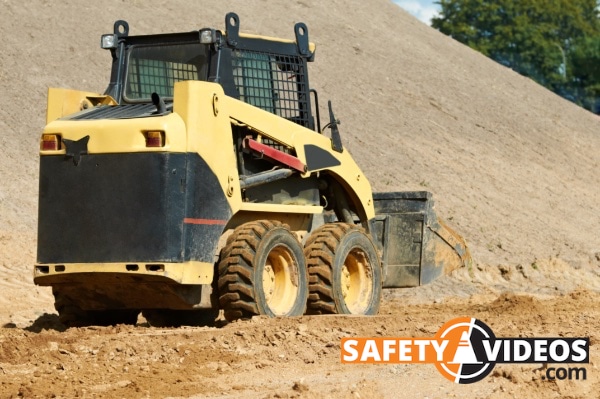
280,280
356,282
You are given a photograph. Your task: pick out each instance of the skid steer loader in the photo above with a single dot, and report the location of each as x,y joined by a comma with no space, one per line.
201,180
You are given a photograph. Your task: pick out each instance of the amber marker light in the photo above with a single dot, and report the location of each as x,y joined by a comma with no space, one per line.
155,138
50,142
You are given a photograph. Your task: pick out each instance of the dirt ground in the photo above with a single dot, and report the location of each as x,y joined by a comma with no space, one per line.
289,358
512,167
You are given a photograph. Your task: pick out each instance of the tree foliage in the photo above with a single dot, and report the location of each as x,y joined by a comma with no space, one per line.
555,42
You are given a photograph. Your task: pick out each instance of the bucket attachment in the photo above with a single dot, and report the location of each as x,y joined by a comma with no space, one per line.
417,247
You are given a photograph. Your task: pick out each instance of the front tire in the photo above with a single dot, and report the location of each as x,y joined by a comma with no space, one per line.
344,271
262,272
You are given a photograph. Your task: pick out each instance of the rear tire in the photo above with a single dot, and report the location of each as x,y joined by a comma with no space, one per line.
71,315
344,271
262,272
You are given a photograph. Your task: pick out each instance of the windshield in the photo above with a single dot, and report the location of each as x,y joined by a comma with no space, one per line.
155,69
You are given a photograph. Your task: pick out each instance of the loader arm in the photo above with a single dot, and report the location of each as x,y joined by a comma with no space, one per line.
311,148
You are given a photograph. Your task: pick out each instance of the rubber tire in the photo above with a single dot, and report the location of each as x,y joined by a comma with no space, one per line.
242,266
327,250
177,318
71,315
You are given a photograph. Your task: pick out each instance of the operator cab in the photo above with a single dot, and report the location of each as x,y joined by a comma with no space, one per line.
267,73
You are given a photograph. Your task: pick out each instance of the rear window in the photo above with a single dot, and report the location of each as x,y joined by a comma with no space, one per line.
156,69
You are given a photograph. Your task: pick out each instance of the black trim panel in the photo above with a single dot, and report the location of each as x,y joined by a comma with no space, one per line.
318,158
128,208
206,203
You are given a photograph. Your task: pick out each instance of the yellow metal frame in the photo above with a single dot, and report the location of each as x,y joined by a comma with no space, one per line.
182,273
63,102
200,123
311,46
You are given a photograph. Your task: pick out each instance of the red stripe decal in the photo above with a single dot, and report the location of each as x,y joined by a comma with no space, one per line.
204,221
276,155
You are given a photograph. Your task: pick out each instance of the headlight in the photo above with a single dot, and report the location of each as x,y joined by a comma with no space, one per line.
109,41
208,36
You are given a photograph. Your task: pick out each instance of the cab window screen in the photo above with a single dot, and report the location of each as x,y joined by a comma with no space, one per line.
272,82
252,74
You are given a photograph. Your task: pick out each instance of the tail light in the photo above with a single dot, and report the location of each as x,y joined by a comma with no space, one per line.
155,138
50,142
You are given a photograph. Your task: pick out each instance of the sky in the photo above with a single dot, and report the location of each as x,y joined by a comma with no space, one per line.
422,9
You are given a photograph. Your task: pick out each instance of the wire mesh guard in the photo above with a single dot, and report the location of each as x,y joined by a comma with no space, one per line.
274,83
